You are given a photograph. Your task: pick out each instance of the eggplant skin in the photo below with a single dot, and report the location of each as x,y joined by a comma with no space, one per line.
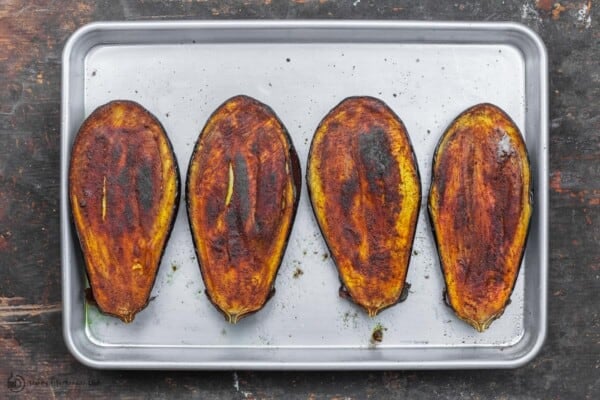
480,205
124,195
242,193
365,191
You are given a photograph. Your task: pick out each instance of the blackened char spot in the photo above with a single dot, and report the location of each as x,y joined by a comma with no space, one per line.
129,217
351,236
123,179
271,183
376,157
258,227
226,129
254,149
145,186
348,191
238,212
213,209
218,245
266,202
117,150
267,186
241,187
461,218
379,265
333,126
131,156
236,244
101,143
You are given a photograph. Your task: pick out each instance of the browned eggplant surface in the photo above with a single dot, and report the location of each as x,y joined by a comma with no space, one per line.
365,191
243,188
480,205
124,191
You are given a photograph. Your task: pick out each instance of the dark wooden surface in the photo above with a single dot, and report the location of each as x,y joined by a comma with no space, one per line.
32,35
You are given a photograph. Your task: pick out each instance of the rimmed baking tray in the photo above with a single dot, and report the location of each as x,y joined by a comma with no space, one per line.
427,72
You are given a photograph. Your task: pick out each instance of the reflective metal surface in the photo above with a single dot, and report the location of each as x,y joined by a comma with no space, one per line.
426,72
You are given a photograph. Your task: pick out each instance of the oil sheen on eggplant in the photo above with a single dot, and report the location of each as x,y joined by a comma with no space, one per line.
365,192
243,187
480,204
124,195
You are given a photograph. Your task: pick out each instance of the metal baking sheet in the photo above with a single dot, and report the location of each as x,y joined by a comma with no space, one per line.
426,72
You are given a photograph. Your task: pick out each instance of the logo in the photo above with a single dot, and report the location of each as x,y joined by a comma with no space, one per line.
15,383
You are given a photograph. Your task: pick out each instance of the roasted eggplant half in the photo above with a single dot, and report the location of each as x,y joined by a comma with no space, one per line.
480,204
124,195
242,193
365,191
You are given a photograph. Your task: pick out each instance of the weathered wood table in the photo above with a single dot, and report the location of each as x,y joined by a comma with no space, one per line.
34,362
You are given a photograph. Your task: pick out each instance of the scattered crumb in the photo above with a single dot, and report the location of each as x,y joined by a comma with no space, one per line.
325,256
264,340
377,335
348,317
298,273
171,273
287,60
415,252
426,276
